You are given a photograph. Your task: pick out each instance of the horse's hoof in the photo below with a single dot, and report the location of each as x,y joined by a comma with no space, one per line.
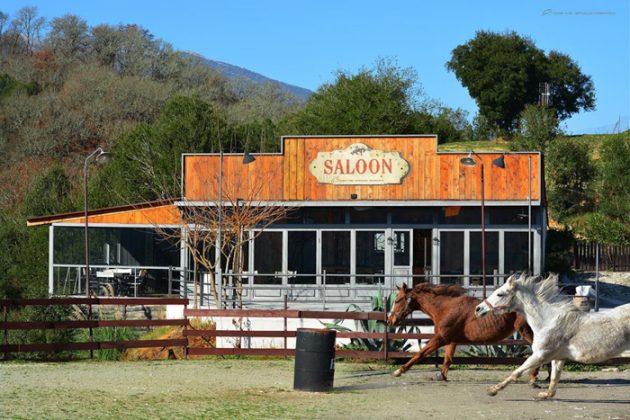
534,385
492,391
545,395
397,373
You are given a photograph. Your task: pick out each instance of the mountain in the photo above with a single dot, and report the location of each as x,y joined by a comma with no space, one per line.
233,72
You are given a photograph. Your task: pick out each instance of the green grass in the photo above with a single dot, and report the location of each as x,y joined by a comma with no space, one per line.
477,146
500,145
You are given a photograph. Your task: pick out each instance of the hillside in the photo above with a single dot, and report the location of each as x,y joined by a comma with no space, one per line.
235,72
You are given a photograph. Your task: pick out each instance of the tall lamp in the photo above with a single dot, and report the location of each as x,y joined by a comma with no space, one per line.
99,156
247,159
500,163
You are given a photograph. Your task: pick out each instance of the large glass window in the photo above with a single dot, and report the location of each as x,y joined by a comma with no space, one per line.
368,215
115,246
458,215
515,254
413,215
492,257
316,215
451,256
336,255
370,256
268,257
302,256
516,215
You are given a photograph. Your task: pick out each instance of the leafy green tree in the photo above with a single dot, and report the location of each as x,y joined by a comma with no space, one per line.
537,127
49,193
377,101
570,173
147,158
502,73
599,227
614,181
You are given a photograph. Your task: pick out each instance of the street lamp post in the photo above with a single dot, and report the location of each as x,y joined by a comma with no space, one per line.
99,155
470,161
247,159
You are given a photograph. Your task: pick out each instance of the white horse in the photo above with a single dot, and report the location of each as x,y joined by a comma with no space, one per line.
561,331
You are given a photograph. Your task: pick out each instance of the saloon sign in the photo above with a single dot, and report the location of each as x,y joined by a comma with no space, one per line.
359,165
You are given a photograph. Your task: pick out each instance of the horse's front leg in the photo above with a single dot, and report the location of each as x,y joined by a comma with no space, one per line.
533,361
432,345
556,369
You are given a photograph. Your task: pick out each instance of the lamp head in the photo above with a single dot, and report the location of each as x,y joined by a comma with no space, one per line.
104,156
247,158
499,162
468,160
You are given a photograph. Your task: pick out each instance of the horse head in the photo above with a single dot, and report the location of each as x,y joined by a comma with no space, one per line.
403,306
501,301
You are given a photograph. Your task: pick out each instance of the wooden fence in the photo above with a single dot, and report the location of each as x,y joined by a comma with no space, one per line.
611,257
285,333
88,324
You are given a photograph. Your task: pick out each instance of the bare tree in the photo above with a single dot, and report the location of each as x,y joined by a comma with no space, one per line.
29,26
241,216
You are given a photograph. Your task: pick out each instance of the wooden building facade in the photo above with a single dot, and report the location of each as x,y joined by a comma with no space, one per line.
366,212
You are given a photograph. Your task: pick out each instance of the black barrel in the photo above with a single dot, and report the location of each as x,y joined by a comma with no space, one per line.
314,360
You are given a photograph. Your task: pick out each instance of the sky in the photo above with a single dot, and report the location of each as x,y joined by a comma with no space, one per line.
305,43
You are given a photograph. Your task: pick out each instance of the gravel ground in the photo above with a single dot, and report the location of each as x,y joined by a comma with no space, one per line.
262,389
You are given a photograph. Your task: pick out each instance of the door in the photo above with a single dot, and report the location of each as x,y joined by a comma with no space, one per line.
401,251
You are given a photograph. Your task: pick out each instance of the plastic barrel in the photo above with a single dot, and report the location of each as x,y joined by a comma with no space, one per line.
314,360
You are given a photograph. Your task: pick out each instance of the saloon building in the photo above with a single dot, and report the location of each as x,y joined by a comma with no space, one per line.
364,213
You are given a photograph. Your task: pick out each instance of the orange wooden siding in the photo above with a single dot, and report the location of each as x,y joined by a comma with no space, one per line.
432,175
162,215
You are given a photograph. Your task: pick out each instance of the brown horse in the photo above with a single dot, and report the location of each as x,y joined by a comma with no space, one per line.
453,314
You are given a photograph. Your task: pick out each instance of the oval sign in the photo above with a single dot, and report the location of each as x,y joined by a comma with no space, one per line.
358,164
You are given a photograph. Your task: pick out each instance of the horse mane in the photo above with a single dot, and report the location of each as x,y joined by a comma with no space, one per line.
439,289
547,290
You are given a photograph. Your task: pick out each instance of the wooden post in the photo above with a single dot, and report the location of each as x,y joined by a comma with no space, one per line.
5,318
286,307
385,338
91,332
186,328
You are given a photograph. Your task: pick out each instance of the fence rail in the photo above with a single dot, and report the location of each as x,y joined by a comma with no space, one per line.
385,336
89,324
611,257
184,342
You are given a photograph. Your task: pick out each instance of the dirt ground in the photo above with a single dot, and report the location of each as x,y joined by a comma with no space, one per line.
263,389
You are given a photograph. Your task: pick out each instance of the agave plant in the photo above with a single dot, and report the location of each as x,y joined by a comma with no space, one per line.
499,350
373,326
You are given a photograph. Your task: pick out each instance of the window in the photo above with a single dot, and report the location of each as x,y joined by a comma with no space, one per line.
458,215
413,215
516,252
114,246
492,257
402,248
370,255
302,256
268,257
512,215
451,257
336,255
368,215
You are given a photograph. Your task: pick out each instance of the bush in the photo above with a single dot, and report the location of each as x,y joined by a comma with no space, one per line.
559,251
42,313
